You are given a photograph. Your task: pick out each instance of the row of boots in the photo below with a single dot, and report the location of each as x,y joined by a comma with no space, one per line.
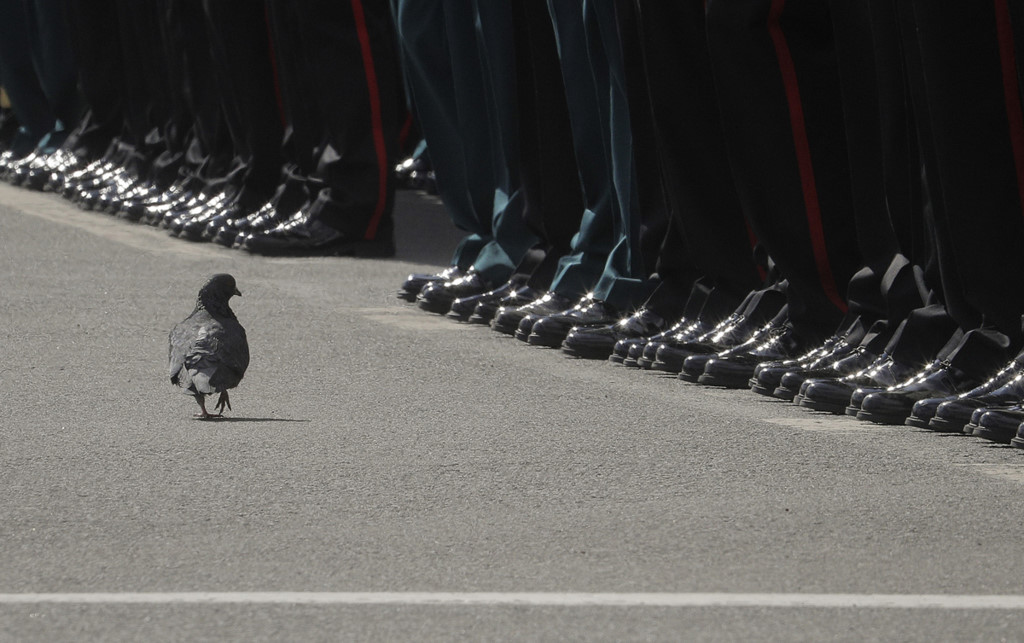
190,208
877,372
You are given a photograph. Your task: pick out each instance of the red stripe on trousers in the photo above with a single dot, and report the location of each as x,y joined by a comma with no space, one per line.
1011,91
803,156
376,118
403,135
273,67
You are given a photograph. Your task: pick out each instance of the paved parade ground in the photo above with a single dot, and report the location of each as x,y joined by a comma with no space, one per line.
389,474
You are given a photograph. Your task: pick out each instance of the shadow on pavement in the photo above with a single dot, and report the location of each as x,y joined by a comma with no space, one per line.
424,232
242,419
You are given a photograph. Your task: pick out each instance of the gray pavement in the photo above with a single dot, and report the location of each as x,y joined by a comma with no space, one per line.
374,447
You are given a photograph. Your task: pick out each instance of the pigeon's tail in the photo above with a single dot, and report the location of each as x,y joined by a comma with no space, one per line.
201,380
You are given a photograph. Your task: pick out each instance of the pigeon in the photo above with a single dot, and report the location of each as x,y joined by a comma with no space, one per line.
208,349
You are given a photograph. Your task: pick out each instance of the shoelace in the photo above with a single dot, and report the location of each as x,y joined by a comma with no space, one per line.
718,332
775,333
938,366
262,215
870,369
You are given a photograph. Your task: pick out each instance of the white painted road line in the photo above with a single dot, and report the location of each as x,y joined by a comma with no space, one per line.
544,599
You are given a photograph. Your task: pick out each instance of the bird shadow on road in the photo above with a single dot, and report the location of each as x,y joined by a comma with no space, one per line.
243,419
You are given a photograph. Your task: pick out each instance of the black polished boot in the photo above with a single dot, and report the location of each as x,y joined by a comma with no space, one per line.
949,415
833,394
415,282
552,330
438,297
600,342
309,235
755,312
963,368
485,310
999,424
510,319
462,308
767,376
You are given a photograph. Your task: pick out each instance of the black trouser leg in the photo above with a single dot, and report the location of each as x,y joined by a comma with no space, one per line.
708,217
553,203
98,52
971,84
775,70
19,78
240,45
350,46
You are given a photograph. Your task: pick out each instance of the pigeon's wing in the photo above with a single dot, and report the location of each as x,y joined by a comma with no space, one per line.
180,343
208,354
216,355
233,356
203,359
194,347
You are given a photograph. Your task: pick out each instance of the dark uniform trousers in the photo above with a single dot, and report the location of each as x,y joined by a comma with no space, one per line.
970,81
608,242
351,58
775,70
144,86
709,233
461,74
37,69
549,179
97,51
303,131
885,177
209,150
242,67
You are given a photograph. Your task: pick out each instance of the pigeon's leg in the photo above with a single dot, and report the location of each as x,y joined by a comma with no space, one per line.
204,415
223,401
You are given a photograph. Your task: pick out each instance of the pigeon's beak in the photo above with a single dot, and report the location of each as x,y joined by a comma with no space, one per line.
237,292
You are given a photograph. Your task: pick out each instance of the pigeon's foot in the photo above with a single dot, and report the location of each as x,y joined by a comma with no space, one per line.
206,415
222,402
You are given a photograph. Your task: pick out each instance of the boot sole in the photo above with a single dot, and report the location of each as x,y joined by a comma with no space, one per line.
946,425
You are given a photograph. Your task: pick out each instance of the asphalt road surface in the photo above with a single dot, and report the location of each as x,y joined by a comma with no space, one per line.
389,474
